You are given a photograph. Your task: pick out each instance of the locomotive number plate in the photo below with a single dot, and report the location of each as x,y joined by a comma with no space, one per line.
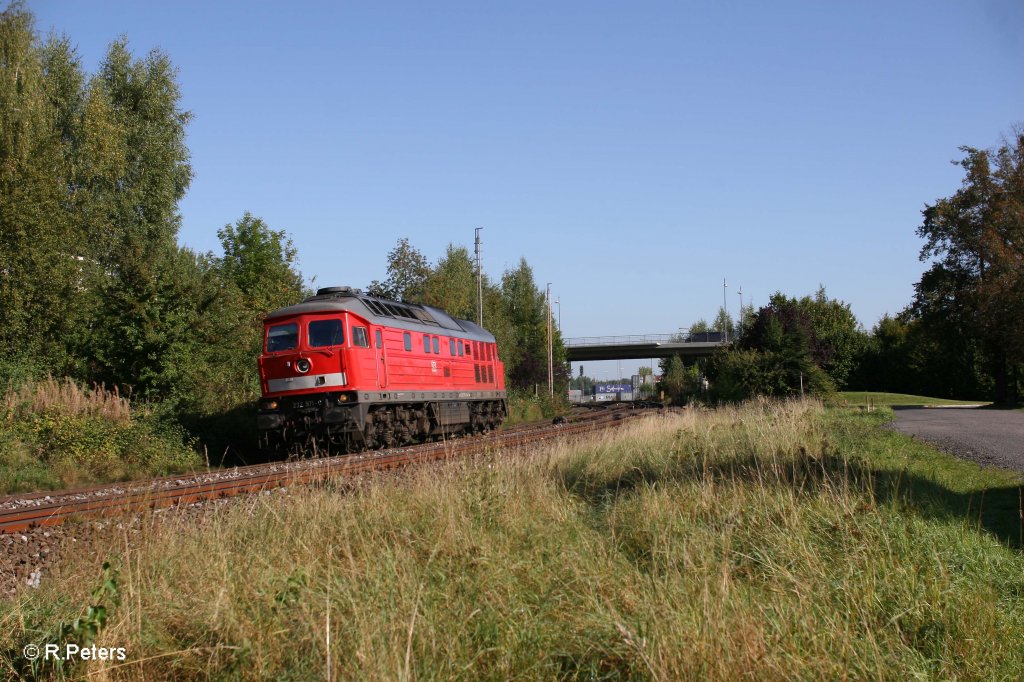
306,404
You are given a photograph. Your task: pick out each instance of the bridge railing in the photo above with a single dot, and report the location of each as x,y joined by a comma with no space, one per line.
679,337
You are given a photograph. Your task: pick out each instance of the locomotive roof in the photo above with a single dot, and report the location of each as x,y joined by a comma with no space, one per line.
410,316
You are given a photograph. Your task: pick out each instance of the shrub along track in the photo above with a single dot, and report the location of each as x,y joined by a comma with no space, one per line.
27,520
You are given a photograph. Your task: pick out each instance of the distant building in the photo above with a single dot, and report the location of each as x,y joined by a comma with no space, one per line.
612,388
642,385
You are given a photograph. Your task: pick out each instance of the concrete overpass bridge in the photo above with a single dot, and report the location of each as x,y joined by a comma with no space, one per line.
589,348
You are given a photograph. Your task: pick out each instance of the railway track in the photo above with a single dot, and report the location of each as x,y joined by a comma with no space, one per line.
19,513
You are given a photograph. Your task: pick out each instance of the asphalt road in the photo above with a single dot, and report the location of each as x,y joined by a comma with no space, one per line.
988,437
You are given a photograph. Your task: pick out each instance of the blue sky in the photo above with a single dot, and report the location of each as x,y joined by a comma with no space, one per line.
634,153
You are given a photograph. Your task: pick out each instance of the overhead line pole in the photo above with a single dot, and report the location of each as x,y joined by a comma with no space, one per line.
551,355
725,309
479,280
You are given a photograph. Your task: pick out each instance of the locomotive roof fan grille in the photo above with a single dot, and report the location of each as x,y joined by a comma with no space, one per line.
337,291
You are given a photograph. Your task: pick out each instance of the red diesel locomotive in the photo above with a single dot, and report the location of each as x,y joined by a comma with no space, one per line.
343,371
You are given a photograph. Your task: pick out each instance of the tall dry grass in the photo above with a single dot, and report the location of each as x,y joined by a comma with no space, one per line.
65,396
740,543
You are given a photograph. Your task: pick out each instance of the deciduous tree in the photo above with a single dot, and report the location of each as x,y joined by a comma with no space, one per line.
261,262
408,271
143,306
973,239
41,254
839,340
451,284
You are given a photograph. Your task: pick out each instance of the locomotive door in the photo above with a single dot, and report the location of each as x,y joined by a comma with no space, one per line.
382,361
363,361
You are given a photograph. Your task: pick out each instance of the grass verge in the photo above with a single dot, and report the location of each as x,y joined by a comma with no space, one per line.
861,398
773,541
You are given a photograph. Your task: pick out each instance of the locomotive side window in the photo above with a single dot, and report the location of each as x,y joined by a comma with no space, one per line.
426,343
283,337
461,351
360,337
437,351
325,333
407,338
451,347
380,339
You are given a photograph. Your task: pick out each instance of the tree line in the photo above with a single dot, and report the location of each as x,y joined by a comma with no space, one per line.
93,282
962,335
95,286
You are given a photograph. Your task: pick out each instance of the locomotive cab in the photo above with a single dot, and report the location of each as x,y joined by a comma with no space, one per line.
307,353
306,365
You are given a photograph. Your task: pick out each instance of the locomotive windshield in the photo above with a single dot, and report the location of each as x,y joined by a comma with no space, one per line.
283,337
326,333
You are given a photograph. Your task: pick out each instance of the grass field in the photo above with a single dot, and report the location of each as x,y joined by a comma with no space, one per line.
769,542
861,398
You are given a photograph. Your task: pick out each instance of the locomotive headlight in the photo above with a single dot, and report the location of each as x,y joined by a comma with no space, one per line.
268,404
302,365
343,398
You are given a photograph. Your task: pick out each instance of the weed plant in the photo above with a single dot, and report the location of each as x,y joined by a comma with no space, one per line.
773,541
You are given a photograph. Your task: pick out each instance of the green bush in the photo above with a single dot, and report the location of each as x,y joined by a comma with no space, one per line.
19,369
738,375
57,434
525,407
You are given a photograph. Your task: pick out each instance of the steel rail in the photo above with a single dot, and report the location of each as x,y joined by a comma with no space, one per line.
105,489
256,478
